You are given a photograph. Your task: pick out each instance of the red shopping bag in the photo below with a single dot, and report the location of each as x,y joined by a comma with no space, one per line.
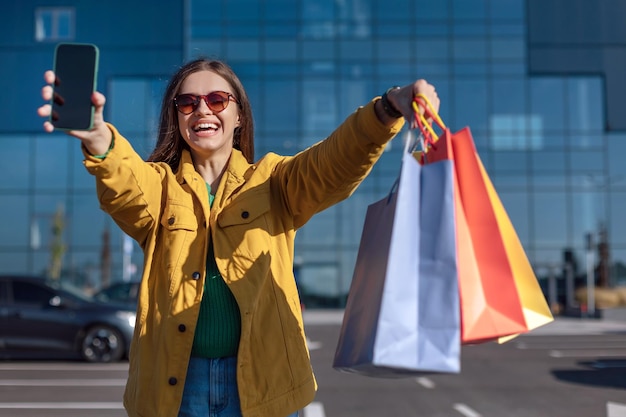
500,295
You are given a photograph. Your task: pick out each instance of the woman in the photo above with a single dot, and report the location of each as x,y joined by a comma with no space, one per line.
219,328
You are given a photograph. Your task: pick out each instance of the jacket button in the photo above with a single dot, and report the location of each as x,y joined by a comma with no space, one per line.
245,215
182,328
172,381
171,220
195,275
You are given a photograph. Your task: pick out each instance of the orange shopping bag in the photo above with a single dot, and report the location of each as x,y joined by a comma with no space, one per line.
500,295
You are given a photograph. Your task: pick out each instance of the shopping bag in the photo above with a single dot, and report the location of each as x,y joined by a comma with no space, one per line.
402,314
500,295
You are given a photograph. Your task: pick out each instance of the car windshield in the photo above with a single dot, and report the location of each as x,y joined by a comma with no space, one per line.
72,290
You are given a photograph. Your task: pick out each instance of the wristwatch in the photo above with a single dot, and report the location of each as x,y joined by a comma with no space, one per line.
389,109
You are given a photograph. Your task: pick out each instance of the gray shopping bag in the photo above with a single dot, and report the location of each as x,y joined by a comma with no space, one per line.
402,315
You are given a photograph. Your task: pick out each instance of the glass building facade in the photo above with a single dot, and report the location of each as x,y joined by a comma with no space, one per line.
307,64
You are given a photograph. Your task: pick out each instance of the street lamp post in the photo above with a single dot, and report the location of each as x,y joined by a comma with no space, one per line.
591,302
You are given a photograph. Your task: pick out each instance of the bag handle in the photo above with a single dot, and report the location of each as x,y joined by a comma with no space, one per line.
429,135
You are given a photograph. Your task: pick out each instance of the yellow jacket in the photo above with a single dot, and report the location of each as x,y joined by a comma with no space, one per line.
257,210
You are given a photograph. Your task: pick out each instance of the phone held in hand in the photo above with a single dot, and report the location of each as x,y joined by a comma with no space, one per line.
76,71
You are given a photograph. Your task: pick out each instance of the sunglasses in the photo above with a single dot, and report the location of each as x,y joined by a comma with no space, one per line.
216,101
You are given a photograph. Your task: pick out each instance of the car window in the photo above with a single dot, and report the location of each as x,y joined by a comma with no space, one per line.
3,292
30,293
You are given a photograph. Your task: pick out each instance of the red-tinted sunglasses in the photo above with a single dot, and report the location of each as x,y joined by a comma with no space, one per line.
216,101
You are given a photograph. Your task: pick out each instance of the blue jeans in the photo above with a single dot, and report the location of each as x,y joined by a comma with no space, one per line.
211,389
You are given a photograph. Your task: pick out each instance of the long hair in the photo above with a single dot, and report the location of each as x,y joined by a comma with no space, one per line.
170,143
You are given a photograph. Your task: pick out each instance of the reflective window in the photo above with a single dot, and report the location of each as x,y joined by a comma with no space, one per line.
15,231
584,104
471,94
550,225
16,154
51,160
54,24
469,9
507,9
547,99
283,10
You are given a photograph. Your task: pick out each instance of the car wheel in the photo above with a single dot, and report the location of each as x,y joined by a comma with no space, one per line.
102,344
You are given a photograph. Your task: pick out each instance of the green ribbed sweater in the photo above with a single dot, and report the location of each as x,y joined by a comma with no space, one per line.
219,323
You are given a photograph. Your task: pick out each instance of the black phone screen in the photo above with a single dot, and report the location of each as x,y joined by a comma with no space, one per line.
75,67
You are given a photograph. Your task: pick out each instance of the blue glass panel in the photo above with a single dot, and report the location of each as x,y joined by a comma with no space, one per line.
318,50
280,50
280,10
317,10
507,9
507,29
15,231
617,225
395,29
319,107
550,221
470,96
243,50
87,220
242,30
280,70
586,160
208,47
432,29
434,48
14,261
199,11
549,181
508,96
616,150
397,50
51,161
547,101
509,162
281,30
242,10
352,94
126,104
469,9
586,141
428,10
473,29
401,9
356,50
508,68
468,68
287,118
15,161
551,161
207,29
470,49
586,104
508,49
588,211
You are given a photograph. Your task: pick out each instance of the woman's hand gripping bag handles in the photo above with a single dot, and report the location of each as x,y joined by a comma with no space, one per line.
402,316
500,295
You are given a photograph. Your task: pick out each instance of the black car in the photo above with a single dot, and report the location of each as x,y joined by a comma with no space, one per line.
38,315
123,292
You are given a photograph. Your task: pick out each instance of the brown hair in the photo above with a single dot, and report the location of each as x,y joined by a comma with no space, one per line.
170,143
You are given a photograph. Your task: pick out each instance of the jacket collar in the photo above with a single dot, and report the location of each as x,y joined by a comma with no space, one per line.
232,179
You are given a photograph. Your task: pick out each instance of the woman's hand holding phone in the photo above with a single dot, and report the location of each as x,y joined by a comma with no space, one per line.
98,139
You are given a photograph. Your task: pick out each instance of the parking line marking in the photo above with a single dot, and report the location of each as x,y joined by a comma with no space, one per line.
615,409
63,382
585,354
425,382
315,409
63,406
465,410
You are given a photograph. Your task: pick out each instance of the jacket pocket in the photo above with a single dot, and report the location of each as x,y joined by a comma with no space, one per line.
179,216
246,208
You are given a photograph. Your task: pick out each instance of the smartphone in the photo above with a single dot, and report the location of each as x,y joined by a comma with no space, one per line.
76,70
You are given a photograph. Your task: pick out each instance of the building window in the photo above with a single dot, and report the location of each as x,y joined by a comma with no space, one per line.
54,24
